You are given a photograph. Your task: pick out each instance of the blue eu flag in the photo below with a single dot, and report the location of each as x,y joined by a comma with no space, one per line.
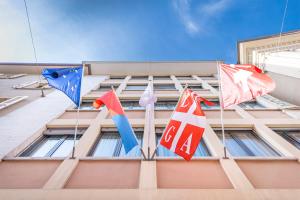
67,80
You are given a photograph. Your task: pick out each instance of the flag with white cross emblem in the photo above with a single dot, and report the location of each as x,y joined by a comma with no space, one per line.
240,83
67,80
186,126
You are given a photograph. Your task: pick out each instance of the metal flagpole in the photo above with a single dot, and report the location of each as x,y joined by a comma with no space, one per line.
155,151
221,109
150,106
77,117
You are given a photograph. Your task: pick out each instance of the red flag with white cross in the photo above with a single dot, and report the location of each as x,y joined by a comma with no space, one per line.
186,126
240,83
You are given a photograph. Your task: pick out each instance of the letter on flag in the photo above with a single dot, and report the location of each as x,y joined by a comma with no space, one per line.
242,83
114,106
67,80
186,126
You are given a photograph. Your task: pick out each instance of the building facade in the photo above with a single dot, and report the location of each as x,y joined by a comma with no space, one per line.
262,139
279,55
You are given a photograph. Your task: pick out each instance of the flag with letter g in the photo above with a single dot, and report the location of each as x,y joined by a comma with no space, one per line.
186,126
67,80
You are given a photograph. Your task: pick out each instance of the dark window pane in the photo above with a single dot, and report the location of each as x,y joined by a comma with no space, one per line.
246,143
164,87
53,145
110,144
202,150
165,105
136,87
292,136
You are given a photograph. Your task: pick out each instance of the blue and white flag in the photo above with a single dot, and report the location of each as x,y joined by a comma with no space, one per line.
67,80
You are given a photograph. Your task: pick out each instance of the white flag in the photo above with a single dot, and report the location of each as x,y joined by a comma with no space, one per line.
147,97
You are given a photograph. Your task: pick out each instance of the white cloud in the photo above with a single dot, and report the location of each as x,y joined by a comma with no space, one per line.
183,8
197,21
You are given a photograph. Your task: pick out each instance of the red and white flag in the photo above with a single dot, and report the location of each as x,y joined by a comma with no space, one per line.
242,83
186,126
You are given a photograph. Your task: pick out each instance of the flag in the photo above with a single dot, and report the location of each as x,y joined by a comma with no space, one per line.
67,80
147,97
186,126
240,83
114,106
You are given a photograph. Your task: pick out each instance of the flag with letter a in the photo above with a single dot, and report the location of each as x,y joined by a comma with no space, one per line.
242,83
186,126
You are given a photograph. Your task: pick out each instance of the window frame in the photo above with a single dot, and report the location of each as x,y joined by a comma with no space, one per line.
118,146
44,137
283,132
253,132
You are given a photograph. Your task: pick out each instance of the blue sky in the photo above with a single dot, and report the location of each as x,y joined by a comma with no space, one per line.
71,31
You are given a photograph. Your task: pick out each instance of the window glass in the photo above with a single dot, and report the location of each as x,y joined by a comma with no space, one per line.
110,144
216,106
136,87
107,87
131,105
292,136
246,143
164,87
165,105
251,105
139,77
58,145
194,86
161,78
87,105
202,150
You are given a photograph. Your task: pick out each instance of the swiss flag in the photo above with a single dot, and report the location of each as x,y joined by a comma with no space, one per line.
186,126
242,83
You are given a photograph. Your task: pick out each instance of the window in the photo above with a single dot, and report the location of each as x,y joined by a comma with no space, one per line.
131,105
251,105
86,105
53,143
194,86
165,105
161,78
184,77
291,135
246,143
110,144
216,106
164,87
136,87
10,76
216,86
117,77
202,150
104,88
139,77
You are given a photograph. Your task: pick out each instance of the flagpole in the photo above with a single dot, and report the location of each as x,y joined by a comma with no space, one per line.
155,151
77,117
150,106
221,111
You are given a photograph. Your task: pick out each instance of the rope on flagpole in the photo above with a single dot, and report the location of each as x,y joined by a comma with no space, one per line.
155,151
221,110
77,117
282,23
33,46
